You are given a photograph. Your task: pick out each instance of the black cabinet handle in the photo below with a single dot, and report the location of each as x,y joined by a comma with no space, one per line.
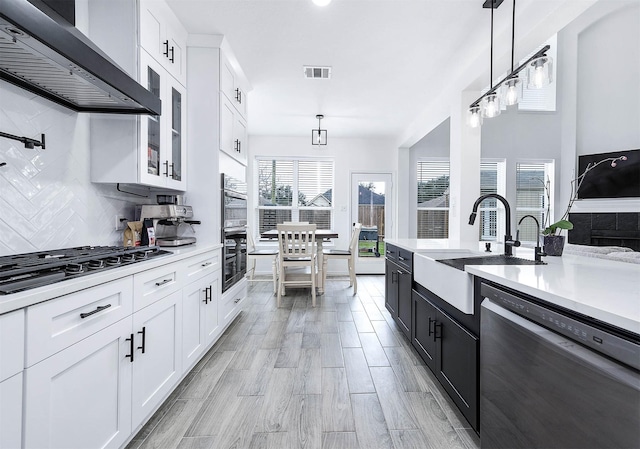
401,258
144,333
237,300
238,145
166,169
400,273
239,96
131,347
166,48
98,309
437,327
431,321
158,284
206,264
393,279
173,172
207,295
171,57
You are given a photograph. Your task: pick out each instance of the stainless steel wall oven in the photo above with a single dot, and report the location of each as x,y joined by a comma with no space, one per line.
234,230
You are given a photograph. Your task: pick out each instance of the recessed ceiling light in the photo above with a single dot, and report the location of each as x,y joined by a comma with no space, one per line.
322,2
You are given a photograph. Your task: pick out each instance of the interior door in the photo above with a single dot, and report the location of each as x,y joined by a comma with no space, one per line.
372,205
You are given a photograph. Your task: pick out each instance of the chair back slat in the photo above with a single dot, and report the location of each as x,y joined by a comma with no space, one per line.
297,240
353,244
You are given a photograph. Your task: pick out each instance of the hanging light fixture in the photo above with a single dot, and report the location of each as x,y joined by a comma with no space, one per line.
319,136
539,69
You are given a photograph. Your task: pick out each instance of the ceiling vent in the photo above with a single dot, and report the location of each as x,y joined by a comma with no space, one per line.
317,72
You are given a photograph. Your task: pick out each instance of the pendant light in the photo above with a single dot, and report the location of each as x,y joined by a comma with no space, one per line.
319,136
511,88
490,105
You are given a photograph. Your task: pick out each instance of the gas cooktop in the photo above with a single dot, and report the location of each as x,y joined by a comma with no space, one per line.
25,271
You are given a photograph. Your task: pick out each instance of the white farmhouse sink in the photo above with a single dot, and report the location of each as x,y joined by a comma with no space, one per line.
452,285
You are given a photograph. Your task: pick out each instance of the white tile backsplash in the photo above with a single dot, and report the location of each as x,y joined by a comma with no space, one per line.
47,200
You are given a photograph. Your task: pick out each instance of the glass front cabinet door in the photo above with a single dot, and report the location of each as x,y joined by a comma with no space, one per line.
162,138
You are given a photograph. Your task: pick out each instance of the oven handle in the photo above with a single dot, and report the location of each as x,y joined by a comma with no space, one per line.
236,195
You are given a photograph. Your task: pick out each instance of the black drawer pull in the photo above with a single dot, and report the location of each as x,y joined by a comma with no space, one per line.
401,258
239,96
98,309
166,281
437,327
431,321
166,169
206,264
171,57
166,48
237,300
144,334
131,347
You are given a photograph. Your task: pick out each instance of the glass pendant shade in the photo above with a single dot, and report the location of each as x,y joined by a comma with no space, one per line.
491,106
511,91
540,72
474,117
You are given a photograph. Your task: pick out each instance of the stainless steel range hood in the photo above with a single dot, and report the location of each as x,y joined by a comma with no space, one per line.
53,59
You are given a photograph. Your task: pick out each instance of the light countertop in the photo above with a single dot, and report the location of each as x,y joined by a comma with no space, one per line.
26,298
606,290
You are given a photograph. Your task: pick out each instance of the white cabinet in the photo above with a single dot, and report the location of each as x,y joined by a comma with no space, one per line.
232,301
148,150
231,86
199,317
164,37
157,364
81,397
11,365
233,131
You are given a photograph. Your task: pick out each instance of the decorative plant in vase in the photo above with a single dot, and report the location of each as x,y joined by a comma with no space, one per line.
553,241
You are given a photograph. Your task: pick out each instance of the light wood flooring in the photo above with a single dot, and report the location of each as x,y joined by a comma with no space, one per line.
340,375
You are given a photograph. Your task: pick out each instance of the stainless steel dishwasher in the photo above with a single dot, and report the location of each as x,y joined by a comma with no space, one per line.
553,379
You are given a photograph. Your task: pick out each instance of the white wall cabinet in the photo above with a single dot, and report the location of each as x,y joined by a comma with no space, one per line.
147,150
233,131
164,37
232,87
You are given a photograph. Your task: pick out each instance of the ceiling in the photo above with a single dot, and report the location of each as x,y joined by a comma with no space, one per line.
388,57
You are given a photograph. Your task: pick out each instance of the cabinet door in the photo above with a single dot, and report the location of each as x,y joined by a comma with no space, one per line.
404,301
240,138
199,318
423,329
391,288
457,365
11,412
176,154
81,396
212,322
158,360
227,119
152,140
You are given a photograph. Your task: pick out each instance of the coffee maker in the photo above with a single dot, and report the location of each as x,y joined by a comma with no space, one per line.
167,218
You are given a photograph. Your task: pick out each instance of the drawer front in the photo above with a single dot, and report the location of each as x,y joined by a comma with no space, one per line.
391,252
200,266
152,285
405,259
233,301
57,324
11,344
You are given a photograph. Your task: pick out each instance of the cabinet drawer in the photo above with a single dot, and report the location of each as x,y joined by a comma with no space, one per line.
232,301
57,324
152,285
391,252
404,259
196,267
11,343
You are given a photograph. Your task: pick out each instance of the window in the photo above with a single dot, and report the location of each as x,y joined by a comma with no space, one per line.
492,180
294,190
532,197
433,199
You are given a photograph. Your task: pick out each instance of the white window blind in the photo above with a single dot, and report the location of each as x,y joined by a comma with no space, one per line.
294,190
531,197
433,199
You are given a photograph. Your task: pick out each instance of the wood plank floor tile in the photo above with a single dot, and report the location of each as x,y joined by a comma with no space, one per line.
257,377
355,304
269,440
395,405
340,440
372,312
289,353
304,422
343,312
260,326
329,322
433,421
371,427
362,321
348,334
331,351
276,400
295,323
358,375
308,377
195,443
237,426
409,439
386,336
311,335
247,352
404,369
336,402
274,335
173,425
373,350
207,378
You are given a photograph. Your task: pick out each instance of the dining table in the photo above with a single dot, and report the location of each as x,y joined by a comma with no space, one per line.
322,235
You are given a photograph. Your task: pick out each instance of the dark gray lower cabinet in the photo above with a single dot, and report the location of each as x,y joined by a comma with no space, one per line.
391,288
398,295
450,351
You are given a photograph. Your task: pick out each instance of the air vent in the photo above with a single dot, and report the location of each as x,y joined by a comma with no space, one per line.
317,72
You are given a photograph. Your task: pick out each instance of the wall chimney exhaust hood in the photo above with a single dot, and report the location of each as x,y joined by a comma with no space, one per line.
51,58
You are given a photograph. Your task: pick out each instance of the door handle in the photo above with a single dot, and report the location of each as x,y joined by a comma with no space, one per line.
166,168
239,96
131,348
166,48
437,327
144,333
171,57
431,321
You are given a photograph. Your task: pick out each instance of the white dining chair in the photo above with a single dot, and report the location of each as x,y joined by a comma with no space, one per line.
344,254
297,246
254,254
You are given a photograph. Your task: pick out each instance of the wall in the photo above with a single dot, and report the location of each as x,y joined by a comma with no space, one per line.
46,198
349,155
